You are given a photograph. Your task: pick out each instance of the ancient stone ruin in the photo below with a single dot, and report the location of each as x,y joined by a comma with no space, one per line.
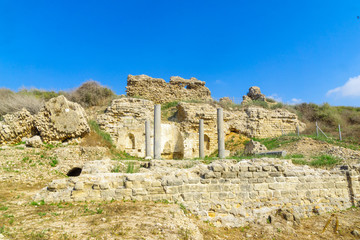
226,192
125,120
159,91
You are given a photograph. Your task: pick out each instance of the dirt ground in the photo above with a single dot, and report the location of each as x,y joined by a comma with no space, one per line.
23,172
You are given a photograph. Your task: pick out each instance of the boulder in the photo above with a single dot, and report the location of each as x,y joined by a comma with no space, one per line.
254,94
61,119
35,142
16,126
254,147
226,100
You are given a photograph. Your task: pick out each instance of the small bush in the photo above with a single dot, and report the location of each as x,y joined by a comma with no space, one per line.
91,93
11,102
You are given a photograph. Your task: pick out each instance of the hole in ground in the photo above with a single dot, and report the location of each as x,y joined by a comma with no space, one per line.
74,172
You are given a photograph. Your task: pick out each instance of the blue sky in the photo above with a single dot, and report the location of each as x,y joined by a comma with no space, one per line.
293,50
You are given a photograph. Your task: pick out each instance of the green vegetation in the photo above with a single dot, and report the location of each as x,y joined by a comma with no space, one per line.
324,160
168,105
272,143
318,161
183,208
116,169
131,168
3,208
91,93
329,117
12,102
104,135
41,214
40,203
168,110
294,156
53,161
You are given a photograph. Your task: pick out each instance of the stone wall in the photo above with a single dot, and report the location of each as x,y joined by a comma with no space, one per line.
159,91
227,193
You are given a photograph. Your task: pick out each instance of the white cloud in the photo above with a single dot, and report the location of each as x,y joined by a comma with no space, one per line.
295,101
219,82
275,97
350,89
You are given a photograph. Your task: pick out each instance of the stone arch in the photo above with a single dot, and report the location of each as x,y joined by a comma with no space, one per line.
130,141
207,142
74,172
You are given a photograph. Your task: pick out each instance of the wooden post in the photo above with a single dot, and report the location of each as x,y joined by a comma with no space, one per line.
317,130
340,133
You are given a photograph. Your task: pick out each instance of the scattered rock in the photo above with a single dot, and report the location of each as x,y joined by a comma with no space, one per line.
355,232
35,142
254,147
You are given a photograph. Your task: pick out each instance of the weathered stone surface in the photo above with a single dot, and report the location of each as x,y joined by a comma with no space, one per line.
16,126
254,94
34,141
226,100
226,192
60,120
254,147
159,91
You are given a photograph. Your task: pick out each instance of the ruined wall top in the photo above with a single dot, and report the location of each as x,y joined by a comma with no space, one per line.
159,91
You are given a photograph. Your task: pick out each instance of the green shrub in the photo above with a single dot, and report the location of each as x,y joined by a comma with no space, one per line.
91,93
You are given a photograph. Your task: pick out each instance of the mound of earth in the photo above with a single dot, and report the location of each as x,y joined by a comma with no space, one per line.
310,147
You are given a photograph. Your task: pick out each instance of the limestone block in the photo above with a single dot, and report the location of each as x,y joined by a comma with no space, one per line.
261,187
138,191
229,174
171,190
